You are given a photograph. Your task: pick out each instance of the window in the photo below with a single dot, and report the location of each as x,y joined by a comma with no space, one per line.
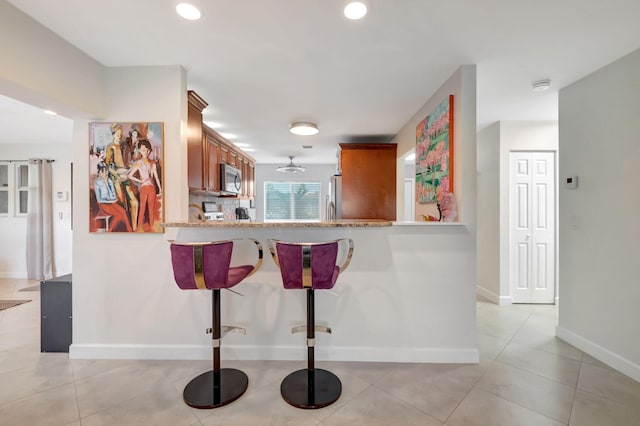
22,188
14,188
291,201
4,188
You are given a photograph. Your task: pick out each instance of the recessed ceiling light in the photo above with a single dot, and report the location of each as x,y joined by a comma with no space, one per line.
541,85
46,111
213,124
355,10
188,11
228,135
304,128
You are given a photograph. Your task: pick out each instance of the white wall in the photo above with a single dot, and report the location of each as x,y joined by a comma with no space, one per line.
122,283
599,226
313,173
488,212
42,69
494,144
462,84
407,296
13,258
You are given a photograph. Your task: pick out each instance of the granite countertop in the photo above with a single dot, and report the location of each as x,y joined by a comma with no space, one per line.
353,223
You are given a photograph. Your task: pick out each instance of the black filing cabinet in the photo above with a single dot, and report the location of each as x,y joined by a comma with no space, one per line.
55,314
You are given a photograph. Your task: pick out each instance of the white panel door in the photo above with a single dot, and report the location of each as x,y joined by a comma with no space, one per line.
532,226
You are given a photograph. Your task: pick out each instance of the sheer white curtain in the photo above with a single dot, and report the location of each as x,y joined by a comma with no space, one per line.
40,220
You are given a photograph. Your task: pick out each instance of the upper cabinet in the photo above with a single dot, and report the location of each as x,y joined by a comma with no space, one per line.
368,180
212,149
195,152
207,150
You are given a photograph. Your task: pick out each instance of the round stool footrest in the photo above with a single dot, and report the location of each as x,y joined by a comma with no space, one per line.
311,388
202,392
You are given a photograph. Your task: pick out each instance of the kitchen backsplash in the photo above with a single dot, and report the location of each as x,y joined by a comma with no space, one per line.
225,205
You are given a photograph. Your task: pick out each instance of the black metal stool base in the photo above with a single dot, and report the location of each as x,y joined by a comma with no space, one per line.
311,388
202,393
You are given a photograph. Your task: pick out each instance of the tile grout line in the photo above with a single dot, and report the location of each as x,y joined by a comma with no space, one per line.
618,402
498,396
575,391
488,368
406,403
75,391
541,350
514,335
469,391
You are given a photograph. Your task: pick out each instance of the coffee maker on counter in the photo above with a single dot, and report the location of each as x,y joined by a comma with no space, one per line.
242,214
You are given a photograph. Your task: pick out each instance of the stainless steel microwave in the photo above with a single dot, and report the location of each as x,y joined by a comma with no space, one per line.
230,179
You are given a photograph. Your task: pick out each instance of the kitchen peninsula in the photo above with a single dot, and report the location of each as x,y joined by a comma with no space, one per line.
399,300
357,223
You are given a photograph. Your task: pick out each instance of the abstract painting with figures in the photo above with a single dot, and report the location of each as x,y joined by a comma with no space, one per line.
125,177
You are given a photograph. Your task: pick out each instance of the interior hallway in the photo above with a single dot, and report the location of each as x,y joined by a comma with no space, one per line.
525,377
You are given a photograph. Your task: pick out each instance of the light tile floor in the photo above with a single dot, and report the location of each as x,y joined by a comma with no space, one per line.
526,376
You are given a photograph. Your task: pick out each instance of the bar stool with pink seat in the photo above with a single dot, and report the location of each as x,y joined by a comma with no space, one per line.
207,266
310,267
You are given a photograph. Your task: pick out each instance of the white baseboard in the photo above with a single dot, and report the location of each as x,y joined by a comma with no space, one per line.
493,297
277,353
612,359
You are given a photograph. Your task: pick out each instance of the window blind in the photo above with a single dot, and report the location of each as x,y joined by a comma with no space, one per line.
292,201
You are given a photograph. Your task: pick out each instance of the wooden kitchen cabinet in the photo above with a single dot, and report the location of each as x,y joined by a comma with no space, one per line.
252,180
207,150
195,146
368,180
213,163
245,176
233,160
224,154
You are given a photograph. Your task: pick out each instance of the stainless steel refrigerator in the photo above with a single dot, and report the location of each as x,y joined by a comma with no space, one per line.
334,199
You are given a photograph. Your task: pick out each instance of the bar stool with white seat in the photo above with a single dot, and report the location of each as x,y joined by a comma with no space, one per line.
310,267
207,266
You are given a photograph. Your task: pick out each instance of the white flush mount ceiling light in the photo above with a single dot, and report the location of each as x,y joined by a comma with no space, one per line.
291,167
304,128
541,85
355,10
188,11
